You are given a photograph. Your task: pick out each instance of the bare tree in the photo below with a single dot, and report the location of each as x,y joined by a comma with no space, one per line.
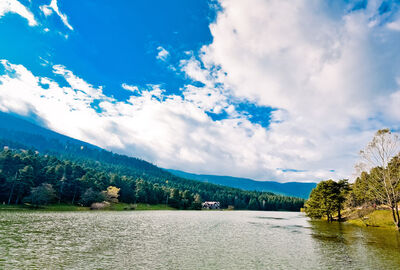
380,157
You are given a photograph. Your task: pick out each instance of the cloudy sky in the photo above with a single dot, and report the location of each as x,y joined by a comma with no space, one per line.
268,89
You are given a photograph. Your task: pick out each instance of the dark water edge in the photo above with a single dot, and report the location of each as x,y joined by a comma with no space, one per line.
190,240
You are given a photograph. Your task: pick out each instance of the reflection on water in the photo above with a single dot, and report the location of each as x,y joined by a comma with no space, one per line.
357,248
190,240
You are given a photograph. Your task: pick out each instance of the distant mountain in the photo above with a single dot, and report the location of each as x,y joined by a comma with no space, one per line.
14,131
296,189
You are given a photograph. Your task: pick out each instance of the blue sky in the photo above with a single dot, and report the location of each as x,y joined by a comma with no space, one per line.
110,44
271,90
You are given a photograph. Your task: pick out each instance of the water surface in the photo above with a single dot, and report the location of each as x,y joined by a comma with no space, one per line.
189,240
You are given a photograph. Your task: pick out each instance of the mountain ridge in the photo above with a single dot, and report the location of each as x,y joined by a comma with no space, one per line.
296,189
48,141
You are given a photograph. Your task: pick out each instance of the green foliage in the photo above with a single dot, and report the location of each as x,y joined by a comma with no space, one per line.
380,180
253,204
361,192
81,175
378,183
196,205
41,195
327,199
175,198
90,196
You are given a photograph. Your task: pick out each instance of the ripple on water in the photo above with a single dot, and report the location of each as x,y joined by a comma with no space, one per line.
187,240
273,218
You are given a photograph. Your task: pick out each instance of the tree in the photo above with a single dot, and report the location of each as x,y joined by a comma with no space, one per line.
15,179
111,194
361,193
127,187
187,198
90,196
41,195
314,207
175,198
342,189
24,182
196,204
71,175
379,158
141,191
253,204
4,188
327,199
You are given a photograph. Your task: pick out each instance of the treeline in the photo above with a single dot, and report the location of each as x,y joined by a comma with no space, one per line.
378,182
26,174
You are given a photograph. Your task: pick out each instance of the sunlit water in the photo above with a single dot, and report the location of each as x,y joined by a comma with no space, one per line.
189,240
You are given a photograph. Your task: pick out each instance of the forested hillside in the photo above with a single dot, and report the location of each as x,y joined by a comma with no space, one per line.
296,189
74,168
73,181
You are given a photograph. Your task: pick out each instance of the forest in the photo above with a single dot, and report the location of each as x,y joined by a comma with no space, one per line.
377,185
82,175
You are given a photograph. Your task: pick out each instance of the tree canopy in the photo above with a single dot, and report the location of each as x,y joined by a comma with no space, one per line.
26,174
327,199
378,182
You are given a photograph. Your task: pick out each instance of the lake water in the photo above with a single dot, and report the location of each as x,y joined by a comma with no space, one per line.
189,240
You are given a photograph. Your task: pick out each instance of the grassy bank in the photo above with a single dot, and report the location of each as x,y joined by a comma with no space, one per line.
70,207
138,206
51,207
371,218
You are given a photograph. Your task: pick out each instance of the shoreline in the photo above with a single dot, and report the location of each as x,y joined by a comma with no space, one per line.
76,208
367,218
113,207
377,218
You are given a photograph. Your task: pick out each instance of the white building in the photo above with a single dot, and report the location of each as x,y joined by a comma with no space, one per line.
211,205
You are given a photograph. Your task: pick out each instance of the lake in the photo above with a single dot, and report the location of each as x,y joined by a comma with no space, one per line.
189,240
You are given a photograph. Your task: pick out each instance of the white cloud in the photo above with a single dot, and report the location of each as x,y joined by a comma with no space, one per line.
131,88
168,130
193,69
16,7
395,25
48,10
332,75
162,54
320,66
